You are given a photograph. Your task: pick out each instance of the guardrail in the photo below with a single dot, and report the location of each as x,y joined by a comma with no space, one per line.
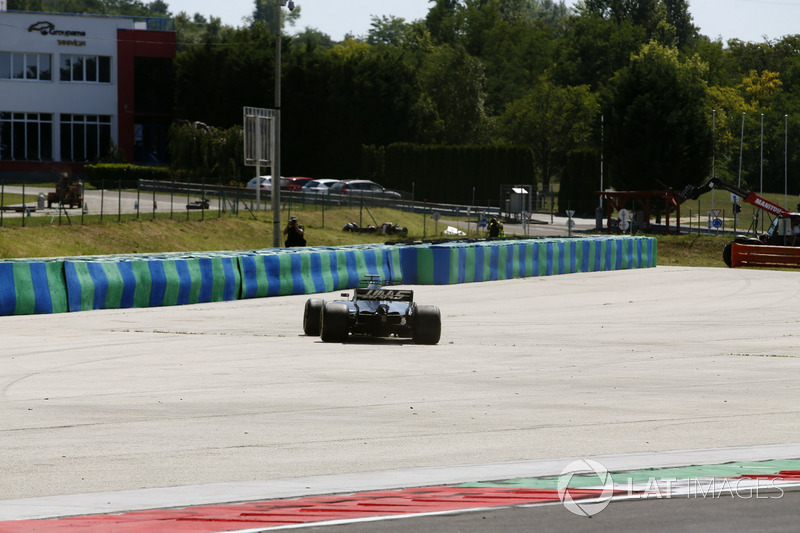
237,194
171,198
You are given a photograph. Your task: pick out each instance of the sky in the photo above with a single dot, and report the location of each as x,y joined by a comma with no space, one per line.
748,20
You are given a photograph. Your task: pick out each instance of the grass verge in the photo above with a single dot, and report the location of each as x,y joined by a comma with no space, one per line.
244,232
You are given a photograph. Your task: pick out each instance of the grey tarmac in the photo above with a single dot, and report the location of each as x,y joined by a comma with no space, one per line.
582,365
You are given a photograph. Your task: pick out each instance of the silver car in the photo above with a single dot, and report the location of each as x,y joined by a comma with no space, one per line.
364,188
321,186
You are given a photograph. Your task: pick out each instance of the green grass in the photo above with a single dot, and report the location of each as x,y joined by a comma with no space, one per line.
691,250
41,238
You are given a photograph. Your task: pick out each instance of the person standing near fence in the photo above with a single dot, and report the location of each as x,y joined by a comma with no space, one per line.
295,233
495,228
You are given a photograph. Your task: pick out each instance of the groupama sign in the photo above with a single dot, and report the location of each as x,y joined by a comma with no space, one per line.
48,28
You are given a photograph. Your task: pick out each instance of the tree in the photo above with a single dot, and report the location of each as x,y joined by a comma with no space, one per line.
679,17
552,120
454,81
444,21
594,48
310,39
761,91
264,11
727,105
658,119
223,71
387,30
513,44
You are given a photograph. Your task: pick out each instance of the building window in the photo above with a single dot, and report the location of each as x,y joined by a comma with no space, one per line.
85,137
26,136
90,69
24,66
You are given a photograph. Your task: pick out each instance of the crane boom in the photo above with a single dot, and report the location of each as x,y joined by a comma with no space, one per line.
693,192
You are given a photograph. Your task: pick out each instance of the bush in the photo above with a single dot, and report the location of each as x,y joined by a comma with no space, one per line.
113,176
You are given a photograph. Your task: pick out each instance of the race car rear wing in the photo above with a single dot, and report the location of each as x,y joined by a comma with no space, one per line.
392,295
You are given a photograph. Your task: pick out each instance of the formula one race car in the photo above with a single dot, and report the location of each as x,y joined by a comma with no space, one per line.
373,311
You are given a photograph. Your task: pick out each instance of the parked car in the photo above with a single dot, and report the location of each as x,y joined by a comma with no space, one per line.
364,188
321,186
296,184
266,183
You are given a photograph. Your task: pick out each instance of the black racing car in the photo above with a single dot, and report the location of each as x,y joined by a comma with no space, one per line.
373,311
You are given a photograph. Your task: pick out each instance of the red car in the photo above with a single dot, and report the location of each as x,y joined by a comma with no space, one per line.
295,184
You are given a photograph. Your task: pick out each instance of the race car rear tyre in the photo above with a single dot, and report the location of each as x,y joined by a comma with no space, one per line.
311,316
427,324
333,326
727,252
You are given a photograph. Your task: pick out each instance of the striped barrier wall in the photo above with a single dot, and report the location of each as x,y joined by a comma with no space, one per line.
450,263
32,287
311,270
159,282
118,282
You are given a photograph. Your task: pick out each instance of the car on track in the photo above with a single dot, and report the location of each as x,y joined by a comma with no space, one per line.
373,311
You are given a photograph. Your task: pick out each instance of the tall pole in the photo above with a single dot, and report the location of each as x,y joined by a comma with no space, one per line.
786,161
713,143
602,134
713,148
276,157
761,172
258,163
741,149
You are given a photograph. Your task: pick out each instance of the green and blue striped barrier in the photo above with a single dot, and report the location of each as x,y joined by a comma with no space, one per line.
32,287
151,282
311,270
450,263
118,282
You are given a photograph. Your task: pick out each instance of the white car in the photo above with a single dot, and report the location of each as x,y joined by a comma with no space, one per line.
266,183
322,186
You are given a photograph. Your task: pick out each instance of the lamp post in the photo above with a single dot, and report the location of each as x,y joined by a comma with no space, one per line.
276,156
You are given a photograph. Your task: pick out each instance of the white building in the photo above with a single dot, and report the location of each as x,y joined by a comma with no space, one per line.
74,86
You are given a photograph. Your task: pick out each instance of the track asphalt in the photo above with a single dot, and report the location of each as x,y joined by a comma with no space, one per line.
163,408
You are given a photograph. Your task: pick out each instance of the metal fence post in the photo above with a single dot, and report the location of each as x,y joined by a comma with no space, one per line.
202,198
119,199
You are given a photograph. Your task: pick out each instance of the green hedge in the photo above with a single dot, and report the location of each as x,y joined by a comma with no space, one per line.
449,173
112,176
